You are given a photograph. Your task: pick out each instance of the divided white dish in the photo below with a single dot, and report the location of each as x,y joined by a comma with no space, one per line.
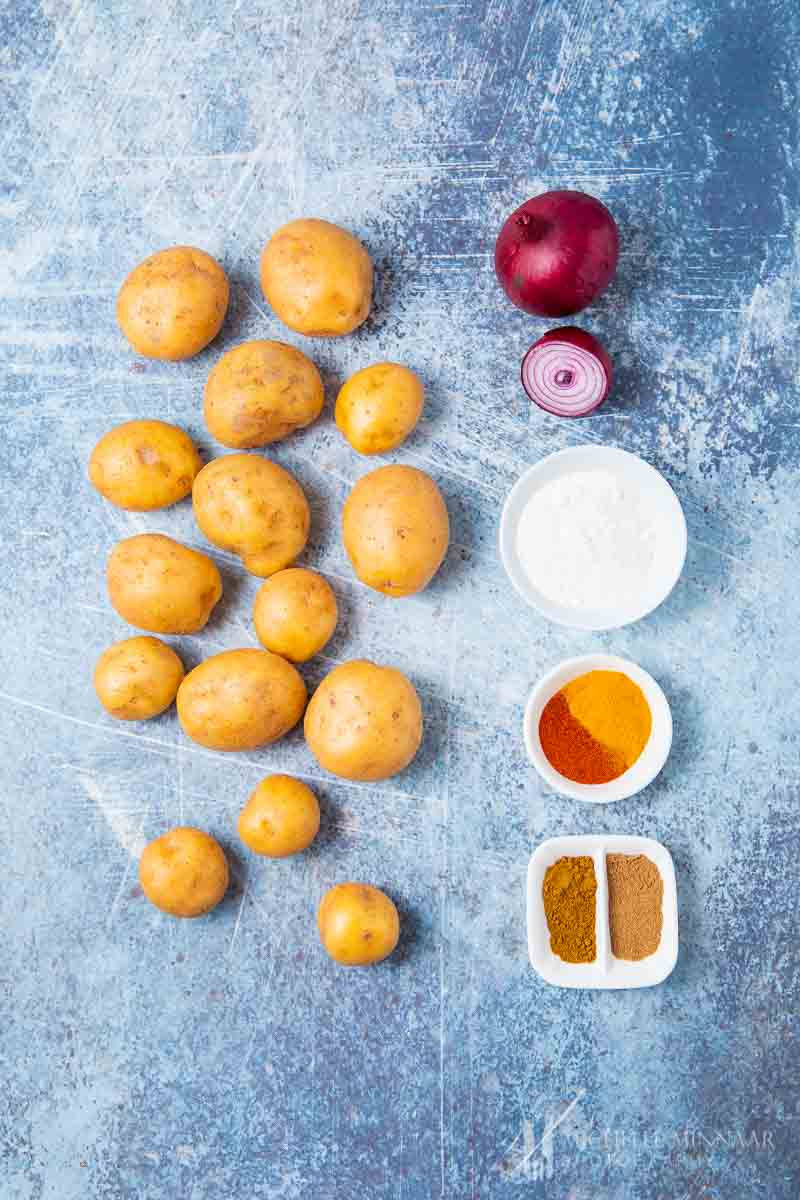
628,467
606,971
649,762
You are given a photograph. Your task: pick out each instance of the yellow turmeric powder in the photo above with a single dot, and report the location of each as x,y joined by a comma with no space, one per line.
596,726
569,892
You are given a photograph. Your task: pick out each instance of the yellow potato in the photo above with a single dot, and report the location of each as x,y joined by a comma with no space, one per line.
280,818
138,678
396,530
173,304
261,392
378,407
241,699
161,585
142,465
252,507
317,277
184,872
358,924
364,721
295,613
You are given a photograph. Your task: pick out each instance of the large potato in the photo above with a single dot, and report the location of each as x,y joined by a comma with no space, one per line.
253,508
142,465
173,304
160,585
241,699
396,530
358,924
378,407
138,678
184,872
261,392
364,721
317,277
295,613
280,818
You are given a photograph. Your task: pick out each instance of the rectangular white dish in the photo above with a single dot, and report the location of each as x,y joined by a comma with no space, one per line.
606,971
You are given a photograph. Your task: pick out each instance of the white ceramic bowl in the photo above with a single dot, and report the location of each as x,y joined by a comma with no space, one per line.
632,470
649,762
606,971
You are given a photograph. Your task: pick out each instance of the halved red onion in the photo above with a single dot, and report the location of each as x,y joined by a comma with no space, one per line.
567,372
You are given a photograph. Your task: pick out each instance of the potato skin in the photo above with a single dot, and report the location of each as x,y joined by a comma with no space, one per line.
173,304
280,818
161,585
137,678
259,393
378,407
364,721
241,699
142,465
317,278
295,614
184,872
254,508
358,924
396,530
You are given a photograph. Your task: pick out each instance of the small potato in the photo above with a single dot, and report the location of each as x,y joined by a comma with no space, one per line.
295,614
378,407
173,304
364,721
261,392
161,585
280,818
396,530
184,872
143,465
317,277
254,508
138,678
241,699
358,924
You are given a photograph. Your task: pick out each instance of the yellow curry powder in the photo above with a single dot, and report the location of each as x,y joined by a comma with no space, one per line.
595,727
569,895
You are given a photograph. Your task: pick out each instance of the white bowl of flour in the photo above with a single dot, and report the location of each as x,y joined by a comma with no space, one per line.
593,537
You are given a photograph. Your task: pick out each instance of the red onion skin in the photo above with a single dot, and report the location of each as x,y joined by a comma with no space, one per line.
583,341
556,253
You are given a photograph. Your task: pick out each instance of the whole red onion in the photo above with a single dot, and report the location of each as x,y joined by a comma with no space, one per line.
557,253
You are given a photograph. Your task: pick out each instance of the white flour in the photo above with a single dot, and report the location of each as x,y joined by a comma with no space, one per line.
589,540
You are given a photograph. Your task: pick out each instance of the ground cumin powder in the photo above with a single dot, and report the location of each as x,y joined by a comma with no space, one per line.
568,893
635,893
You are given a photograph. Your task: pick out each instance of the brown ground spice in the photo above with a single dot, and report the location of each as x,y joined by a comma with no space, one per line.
568,892
635,894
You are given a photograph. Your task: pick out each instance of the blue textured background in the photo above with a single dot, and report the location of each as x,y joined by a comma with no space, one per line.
228,1058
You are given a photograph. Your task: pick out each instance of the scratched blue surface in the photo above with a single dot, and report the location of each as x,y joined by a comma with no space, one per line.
143,1057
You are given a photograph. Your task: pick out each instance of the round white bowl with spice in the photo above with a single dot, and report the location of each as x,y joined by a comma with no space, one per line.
593,537
653,756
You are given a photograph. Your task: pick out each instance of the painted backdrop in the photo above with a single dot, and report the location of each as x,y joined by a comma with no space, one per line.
142,1057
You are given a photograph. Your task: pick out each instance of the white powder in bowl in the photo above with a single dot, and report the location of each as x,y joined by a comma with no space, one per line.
589,540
